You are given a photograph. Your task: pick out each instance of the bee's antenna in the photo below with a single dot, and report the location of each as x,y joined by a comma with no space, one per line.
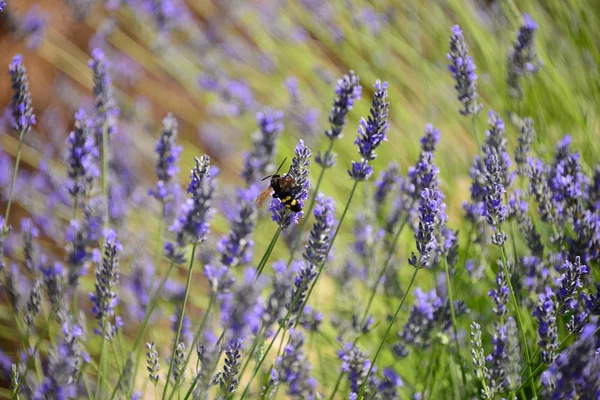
280,165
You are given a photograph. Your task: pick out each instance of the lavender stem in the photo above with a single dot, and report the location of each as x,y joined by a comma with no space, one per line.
180,323
387,332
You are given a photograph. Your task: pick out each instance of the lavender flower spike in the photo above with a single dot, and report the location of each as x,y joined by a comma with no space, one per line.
570,284
236,248
320,234
463,71
104,101
371,133
494,210
293,368
348,90
21,109
192,225
430,210
168,157
105,298
257,162
522,59
299,171
545,313
81,170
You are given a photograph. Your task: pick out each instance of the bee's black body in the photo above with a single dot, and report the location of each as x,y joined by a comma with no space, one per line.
286,190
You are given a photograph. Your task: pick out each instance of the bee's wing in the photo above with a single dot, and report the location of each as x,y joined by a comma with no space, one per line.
263,196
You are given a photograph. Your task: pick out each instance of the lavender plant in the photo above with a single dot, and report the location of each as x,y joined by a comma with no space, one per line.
240,326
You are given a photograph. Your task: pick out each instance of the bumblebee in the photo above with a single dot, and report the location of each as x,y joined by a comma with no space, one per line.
283,188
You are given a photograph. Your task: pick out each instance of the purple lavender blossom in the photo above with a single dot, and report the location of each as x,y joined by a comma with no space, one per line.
522,59
320,234
21,108
423,318
496,141
356,366
2,5
494,210
311,319
167,168
258,162
386,183
82,170
306,275
498,357
281,295
228,378
504,371
462,68
105,299
139,286
576,371
33,27
241,312
236,248
192,224
526,137
430,212
348,90
299,171
500,294
371,133
539,187
430,139
388,387
569,285
106,110
66,361
31,254
34,304
423,175
53,276
293,368
569,185
520,209
78,238
545,314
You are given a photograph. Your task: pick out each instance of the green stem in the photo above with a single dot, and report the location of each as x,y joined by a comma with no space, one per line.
391,252
180,322
149,310
387,332
192,387
310,208
251,352
102,363
517,313
454,323
267,254
197,336
372,296
337,230
12,183
119,369
296,299
262,359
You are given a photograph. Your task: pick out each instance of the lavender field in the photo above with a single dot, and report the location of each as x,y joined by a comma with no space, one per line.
278,199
